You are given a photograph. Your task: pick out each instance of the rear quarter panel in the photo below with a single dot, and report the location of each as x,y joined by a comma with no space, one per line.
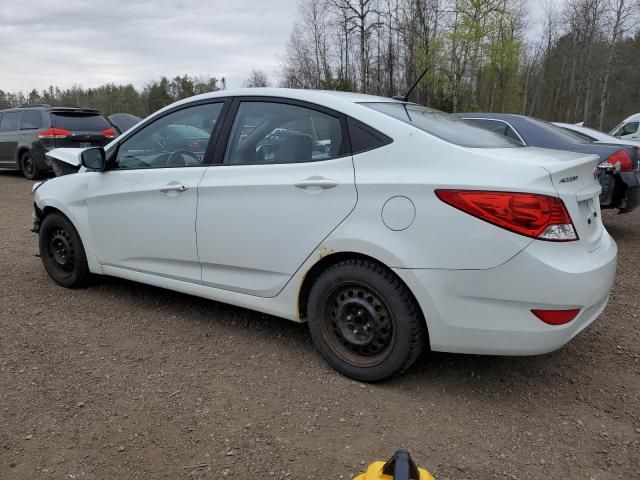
413,166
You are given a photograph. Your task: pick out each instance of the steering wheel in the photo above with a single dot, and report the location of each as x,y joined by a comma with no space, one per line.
176,158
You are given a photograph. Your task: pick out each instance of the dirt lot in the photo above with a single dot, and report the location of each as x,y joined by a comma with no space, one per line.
122,380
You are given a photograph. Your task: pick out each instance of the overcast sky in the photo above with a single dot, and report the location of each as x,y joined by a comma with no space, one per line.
91,42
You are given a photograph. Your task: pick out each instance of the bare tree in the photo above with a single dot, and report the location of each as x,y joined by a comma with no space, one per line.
620,12
257,78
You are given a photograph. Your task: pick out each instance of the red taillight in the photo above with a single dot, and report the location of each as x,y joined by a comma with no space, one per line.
536,216
556,317
109,133
620,160
53,133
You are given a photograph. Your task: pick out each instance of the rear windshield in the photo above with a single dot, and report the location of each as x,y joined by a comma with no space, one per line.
559,131
443,125
79,122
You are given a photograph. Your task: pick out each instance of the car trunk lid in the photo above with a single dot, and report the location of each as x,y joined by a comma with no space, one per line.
573,180
577,184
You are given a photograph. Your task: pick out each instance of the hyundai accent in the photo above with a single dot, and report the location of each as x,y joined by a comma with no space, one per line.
388,227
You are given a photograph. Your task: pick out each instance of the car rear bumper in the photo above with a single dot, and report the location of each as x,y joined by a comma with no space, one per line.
489,311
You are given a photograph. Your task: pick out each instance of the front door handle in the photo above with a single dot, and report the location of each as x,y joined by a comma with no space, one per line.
316,182
174,187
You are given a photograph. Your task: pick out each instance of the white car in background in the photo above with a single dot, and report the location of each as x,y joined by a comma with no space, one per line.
628,128
388,227
593,135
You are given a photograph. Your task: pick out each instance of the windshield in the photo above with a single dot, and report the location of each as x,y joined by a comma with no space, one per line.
442,125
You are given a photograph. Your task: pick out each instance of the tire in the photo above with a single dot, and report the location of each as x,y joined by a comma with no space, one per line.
364,321
62,252
28,167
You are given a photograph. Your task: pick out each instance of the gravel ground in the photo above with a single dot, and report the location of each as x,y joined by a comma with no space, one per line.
123,380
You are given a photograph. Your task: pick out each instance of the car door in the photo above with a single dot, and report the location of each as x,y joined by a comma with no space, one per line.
9,136
284,182
142,210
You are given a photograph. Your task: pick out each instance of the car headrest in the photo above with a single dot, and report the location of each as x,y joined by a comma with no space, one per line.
294,148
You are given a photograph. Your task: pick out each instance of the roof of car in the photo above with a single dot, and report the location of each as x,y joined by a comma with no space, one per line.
22,108
295,93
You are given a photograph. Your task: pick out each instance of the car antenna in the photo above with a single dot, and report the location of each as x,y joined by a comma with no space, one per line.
405,97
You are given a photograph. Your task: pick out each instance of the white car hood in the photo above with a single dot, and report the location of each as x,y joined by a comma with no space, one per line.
66,155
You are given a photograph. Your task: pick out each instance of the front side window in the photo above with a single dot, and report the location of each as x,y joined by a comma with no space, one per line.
268,132
630,128
9,122
442,125
30,120
178,139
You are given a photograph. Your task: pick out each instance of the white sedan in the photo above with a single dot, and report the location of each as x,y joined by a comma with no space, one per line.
388,227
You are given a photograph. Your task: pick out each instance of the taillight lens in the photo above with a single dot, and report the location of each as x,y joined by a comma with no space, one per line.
556,317
53,133
536,216
621,161
109,133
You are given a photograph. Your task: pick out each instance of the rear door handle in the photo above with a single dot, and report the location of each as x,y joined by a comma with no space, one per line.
174,187
317,182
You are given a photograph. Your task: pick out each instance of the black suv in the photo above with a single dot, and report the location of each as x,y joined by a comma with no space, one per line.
29,131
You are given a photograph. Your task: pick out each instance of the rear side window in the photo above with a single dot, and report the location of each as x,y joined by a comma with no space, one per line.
79,122
30,120
272,132
496,126
9,122
364,138
442,125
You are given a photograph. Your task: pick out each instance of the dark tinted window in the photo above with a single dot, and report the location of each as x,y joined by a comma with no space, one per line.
511,133
496,126
266,132
9,122
557,131
365,138
442,125
78,122
583,135
30,119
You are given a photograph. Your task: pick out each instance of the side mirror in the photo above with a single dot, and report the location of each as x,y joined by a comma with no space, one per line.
94,159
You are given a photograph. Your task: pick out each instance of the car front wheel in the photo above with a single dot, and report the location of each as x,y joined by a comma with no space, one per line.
62,252
364,321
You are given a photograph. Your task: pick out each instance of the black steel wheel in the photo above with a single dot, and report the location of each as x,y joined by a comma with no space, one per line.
356,321
28,167
364,321
62,252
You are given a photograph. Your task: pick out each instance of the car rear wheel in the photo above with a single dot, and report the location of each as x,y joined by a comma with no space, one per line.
28,167
62,252
364,321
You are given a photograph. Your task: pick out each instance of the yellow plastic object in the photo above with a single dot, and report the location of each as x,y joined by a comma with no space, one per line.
374,472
